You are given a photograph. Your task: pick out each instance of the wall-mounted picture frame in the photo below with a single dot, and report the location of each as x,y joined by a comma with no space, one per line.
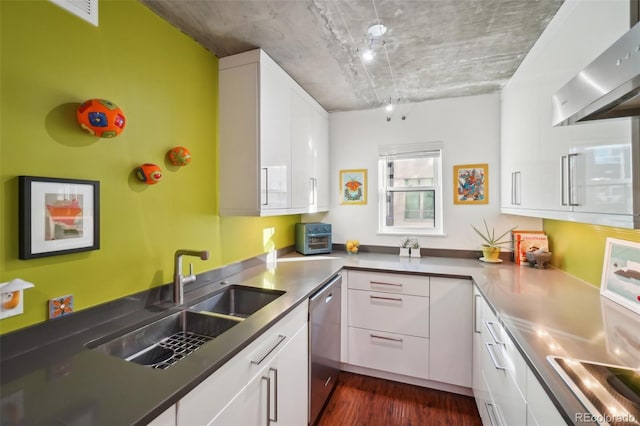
621,273
471,184
57,216
353,186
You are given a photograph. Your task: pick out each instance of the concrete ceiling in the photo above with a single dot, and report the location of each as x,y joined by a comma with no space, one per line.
432,48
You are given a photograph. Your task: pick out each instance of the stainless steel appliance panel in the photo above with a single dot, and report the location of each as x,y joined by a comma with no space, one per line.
324,345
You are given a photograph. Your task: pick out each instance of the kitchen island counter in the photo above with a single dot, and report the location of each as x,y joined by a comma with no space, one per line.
545,312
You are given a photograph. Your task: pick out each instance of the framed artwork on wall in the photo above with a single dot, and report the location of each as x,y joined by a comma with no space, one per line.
353,186
621,273
57,216
471,184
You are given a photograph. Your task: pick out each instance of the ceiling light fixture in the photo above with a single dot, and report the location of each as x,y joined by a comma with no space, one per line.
376,31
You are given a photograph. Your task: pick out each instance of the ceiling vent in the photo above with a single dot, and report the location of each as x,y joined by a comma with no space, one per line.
85,9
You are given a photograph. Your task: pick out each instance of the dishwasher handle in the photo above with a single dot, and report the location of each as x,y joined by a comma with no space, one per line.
328,288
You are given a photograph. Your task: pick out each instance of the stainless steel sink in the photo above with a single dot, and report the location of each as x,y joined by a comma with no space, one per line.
162,343
237,301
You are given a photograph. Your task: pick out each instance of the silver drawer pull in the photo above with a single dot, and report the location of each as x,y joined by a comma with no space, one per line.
275,394
490,326
262,358
393,339
268,398
493,357
394,299
493,417
382,283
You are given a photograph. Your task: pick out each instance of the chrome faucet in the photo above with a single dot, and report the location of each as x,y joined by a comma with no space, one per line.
180,280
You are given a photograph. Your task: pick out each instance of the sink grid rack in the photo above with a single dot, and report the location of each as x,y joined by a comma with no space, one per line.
170,350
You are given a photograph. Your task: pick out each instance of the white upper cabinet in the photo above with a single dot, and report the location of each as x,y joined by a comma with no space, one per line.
270,157
580,173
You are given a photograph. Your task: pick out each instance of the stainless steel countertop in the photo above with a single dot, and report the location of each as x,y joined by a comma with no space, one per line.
545,312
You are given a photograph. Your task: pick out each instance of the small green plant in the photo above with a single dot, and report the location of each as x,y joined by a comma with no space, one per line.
489,236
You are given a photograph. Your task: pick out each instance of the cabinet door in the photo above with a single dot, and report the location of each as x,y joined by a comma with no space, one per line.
301,157
320,143
249,407
451,323
291,394
540,409
480,391
275,136
278,393
602,168
167,418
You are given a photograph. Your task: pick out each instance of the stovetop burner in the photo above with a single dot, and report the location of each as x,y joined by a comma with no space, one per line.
611,393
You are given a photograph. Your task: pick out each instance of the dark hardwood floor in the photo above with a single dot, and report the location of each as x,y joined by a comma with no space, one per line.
362,400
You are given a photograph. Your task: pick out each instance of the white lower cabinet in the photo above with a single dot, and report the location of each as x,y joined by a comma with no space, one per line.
450,322
236,394
278,393
411,325
388,322
506,391
167,418
540,409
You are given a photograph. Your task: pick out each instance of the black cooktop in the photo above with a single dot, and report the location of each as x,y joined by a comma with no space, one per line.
610,393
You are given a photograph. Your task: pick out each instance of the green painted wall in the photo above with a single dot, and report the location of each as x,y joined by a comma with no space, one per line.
578,248
167,86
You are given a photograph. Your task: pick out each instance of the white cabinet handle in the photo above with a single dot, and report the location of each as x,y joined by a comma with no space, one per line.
492,332
268,380
266,354
516,180
494,359
493,417
393,339
393,299
275,393
266,186
570,181
475,314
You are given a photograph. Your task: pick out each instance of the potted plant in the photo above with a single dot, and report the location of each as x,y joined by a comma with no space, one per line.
405,247
414,247
492,244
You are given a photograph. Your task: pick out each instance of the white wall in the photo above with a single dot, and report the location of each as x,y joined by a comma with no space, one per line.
469,128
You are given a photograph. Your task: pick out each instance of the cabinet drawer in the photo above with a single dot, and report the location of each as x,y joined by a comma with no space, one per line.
508,355
503,390
393,313
389,283
506,407
208,398
540,408
389,352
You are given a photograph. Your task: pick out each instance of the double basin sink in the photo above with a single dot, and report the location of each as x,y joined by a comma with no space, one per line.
166,341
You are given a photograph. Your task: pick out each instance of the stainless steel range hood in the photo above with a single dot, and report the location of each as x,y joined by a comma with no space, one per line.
608,87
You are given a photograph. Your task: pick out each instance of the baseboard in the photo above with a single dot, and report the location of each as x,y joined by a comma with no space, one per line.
431,384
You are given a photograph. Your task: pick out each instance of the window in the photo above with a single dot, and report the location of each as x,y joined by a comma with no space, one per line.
410,189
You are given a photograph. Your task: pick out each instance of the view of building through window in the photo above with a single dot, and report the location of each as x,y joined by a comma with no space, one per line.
411,190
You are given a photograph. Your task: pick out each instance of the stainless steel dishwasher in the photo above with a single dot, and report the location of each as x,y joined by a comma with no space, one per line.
324,345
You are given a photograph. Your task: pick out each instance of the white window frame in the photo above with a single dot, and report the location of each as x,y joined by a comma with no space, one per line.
389,152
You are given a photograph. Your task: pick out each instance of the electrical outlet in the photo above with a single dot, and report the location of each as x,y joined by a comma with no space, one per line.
60,306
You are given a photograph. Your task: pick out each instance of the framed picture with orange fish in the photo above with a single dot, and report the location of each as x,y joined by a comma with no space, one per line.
57,216
353,186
